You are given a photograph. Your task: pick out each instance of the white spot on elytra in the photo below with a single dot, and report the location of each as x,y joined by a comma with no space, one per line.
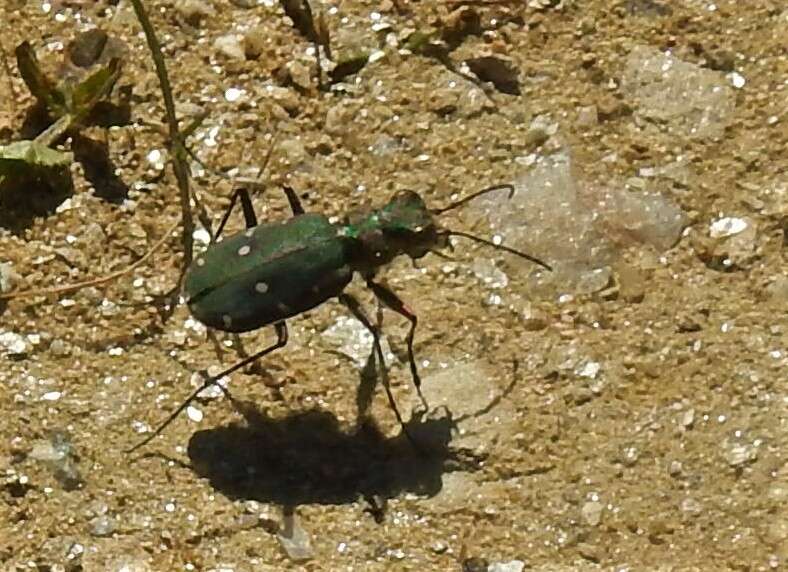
261,287
249,233
244,250
200,262
227,320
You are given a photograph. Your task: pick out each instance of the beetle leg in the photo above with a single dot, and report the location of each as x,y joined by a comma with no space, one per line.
295,202
393,302
246,205
355,308
281,341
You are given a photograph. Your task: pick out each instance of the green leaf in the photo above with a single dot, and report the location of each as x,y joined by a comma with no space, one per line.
26,164
37,82
417,42
32,153
94,88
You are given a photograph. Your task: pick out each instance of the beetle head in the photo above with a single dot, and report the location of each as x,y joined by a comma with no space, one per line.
403,226
407,225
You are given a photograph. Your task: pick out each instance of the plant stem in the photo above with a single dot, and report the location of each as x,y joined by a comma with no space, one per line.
55,131
177,148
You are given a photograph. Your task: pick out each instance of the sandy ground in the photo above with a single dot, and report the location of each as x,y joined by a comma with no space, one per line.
636,425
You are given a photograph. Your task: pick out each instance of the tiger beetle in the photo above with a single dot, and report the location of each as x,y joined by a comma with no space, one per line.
274,271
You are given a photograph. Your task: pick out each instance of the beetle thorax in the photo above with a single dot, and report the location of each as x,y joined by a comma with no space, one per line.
403,226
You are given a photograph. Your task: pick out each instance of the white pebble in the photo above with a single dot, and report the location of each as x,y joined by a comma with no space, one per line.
737,80
234,94
194,414
727,226
154,156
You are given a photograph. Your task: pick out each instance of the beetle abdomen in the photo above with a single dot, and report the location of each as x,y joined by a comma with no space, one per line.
268,273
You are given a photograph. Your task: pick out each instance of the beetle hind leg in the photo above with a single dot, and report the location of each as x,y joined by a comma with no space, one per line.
281,341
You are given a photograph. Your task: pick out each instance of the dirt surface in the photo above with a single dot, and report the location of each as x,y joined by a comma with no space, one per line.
638,425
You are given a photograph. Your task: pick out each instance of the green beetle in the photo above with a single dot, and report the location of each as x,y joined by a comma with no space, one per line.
274,271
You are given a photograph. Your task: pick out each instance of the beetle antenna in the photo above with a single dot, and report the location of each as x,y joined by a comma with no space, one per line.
464,200
489,243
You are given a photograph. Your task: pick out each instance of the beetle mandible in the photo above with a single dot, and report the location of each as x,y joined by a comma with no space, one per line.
274,271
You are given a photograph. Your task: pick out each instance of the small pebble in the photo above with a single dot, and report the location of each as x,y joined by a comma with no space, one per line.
59,348
439,547
14,344
687,418
194,414
592,512
102,526
587,116
230,46
727,226
58,455
8,278
511,566
295,540
739,454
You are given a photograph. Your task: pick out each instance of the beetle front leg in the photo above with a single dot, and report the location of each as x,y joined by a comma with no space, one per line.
393,302
358,312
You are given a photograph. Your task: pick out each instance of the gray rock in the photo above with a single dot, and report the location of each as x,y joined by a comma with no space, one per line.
467,390
677,96
546,218
649,218
579,229
463,492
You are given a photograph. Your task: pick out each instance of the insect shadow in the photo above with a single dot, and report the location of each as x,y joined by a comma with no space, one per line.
309,458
